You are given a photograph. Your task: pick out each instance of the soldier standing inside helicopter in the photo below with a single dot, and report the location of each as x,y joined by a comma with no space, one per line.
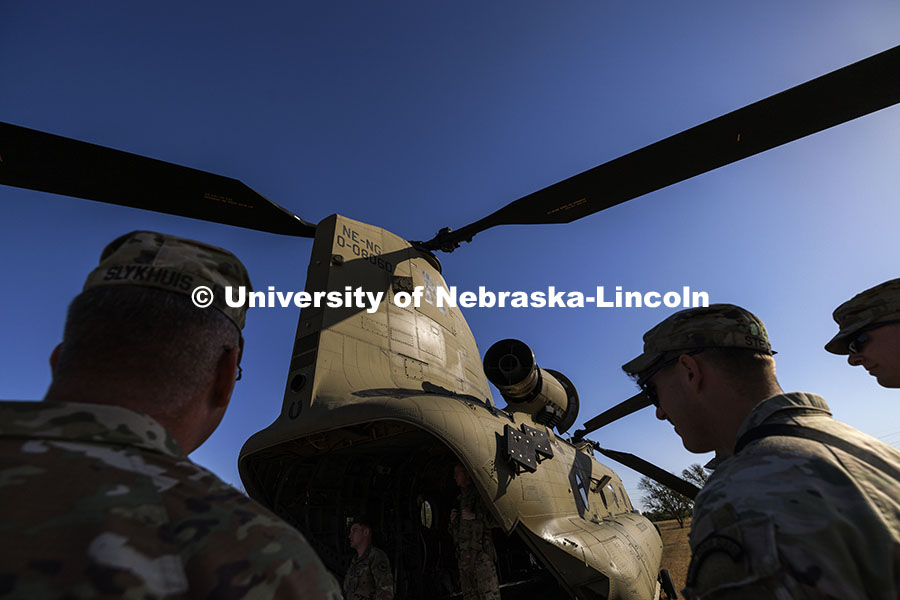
369,576
470,526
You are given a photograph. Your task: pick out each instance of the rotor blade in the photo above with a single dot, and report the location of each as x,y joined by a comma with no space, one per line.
850,92
622,409
50,163
685,488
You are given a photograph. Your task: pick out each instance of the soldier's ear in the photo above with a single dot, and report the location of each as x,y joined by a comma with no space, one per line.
692,370
226,371
54,357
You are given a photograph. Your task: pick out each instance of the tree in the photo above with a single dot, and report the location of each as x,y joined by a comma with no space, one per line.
665,502
669,504
696,474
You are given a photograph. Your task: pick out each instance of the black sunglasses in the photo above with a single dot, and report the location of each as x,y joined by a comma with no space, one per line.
862,336
644,382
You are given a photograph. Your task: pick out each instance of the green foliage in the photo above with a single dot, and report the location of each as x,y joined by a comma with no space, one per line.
663,504
696,474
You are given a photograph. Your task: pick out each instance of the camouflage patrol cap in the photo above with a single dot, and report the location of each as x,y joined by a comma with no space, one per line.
172,264
714,326
362,519
863,309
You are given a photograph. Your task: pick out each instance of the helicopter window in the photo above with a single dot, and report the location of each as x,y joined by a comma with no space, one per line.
425,514
613,492
603,497
582,486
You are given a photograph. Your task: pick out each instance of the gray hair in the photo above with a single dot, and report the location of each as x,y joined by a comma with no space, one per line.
151,339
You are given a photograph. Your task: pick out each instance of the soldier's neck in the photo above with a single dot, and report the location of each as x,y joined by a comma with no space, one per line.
184,421
735,410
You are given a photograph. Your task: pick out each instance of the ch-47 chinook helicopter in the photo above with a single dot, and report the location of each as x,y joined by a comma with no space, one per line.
379,406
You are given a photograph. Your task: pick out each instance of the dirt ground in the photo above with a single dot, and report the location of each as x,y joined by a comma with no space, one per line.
676,551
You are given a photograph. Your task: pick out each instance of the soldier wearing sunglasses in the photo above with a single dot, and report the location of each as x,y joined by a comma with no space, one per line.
799,505
869,333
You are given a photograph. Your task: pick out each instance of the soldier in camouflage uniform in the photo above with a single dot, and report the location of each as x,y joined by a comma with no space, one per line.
99,498
801,505
369,575
470,526
869,335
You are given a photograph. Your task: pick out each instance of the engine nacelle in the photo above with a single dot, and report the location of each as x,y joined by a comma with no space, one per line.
548,396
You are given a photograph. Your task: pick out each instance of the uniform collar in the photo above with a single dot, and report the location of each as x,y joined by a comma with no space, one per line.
783,405
93,423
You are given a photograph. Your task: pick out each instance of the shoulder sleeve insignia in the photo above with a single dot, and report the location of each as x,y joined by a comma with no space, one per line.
713,544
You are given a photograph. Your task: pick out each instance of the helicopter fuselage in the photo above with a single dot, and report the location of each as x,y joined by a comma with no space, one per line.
378,408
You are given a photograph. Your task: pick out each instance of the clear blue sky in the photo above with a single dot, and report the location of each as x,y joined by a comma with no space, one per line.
419,115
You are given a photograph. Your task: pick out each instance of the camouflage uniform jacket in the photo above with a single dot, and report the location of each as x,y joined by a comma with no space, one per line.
788,517
100,502
474,535
369,577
